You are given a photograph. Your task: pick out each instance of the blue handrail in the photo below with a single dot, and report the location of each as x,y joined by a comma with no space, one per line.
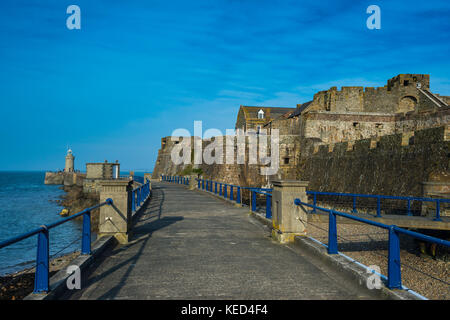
175,179
379,198
220,188
41,279
268,200
139,195
227,191
394,267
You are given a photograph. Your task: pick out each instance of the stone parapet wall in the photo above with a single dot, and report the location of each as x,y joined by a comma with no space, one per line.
390,165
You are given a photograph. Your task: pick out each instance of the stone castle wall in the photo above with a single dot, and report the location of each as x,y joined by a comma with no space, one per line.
395,164
386,140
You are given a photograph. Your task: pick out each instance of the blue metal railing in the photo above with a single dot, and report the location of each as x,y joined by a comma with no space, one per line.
226,190
41,278
268,195
378,198
175,179
139,195
138,179
394,267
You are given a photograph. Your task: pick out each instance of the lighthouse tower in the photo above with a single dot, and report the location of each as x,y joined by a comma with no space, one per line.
69,162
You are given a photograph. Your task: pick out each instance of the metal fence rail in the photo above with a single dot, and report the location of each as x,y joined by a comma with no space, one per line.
175,179
378,198
139,195
225,190
41,279
394,265
268,196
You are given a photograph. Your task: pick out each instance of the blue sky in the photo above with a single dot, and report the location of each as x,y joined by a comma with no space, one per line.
137,70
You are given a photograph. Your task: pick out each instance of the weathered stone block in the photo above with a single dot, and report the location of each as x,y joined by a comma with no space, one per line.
288,219
115,219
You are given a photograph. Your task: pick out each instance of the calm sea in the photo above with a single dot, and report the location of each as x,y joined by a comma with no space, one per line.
25,204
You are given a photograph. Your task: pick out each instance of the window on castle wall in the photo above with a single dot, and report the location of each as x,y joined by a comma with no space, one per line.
286,160
405,83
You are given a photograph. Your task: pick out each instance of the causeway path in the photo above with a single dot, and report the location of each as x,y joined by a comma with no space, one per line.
188,244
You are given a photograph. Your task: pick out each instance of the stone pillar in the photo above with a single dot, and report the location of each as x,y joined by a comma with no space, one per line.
192,182
288,219
112,221
148,176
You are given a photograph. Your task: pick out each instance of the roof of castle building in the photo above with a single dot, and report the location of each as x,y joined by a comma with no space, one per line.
274,112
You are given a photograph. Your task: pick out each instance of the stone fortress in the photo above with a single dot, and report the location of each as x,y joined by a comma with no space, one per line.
390,140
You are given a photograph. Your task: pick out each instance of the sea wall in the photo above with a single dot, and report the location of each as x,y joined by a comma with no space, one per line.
64,178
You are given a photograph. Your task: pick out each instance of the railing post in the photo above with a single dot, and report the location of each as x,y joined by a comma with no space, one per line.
220,189
115,219
238,195
378,206
314,202
253,200
438,211
148,176
231,193
288,219
332,234
268,207
394,267
138,197
354,205
203,184
215,187
409,208
86,237
41,281
225,191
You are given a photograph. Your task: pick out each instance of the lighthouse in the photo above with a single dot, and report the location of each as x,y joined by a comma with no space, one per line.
69,162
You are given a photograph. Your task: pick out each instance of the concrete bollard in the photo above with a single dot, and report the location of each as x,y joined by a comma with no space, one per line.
112,221
288,219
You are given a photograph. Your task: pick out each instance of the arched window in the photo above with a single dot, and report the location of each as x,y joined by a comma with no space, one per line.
260,114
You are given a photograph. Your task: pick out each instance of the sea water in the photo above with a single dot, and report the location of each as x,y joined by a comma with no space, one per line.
25,204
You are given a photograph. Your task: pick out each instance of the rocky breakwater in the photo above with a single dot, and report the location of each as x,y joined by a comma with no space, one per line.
76,200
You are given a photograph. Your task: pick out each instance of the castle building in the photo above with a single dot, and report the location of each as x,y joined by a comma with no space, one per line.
255,117
100,171
70,162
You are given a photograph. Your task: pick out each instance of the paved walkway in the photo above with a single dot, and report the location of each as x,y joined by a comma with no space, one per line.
191,245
